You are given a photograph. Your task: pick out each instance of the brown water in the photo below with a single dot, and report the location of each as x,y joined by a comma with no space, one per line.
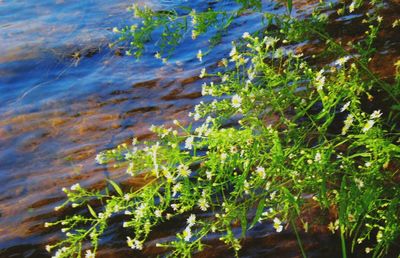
57,112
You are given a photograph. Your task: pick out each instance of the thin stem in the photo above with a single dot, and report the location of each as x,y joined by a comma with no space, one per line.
298,238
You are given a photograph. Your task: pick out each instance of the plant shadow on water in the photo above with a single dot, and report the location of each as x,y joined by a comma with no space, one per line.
95,99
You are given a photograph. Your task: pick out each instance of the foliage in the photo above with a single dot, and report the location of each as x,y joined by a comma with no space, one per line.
277,131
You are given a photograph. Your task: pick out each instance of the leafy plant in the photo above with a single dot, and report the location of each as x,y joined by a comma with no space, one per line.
278,135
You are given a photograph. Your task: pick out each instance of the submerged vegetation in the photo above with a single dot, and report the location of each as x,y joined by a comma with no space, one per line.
281,133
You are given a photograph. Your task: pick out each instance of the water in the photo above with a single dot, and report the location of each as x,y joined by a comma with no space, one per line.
57,111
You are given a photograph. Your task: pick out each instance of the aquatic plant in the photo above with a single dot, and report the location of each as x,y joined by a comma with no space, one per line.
279,135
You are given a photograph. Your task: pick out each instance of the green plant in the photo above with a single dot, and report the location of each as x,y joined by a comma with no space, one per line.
298,131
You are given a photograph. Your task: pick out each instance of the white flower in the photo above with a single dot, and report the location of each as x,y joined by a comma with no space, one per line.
176,188
127,197
184,170
209,175
200,56
203,204
224,78
75,187
203,73
261,172
158,213
376,114
320,80
89,254
341,61
318,157
223,156
191,220
48,248
233,51
368,250
187,234
347,123
139,212
352,6
345,106
196,116
134,243
246,35
278,225
189,142
236,101
368,125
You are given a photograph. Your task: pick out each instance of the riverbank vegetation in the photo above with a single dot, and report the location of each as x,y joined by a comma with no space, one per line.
282,132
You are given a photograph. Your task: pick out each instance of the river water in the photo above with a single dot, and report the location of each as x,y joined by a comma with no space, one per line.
65,96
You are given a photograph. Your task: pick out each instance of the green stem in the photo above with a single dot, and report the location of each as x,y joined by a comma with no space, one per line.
343,242
298,238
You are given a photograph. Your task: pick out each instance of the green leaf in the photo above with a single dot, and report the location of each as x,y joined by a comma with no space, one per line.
289,6
92,211
260,209
116,187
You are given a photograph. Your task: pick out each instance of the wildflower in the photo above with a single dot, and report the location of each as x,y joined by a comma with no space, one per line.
236,101
209,174
203,73
379,236
270,41
75,187
196,116
224,78
48,248
158,213
189,142
341,61
376,114
246,35
345,106
157,55
379,19
320,80
318,157
246,187
203,204
368,250
187,234
89,254
223,156
139,212
233,52
200,56
224,62
134,243
191,220
261,172
115,30
278,225
347,123
352,6
127,197
176,188
184,170
333,226
368,125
